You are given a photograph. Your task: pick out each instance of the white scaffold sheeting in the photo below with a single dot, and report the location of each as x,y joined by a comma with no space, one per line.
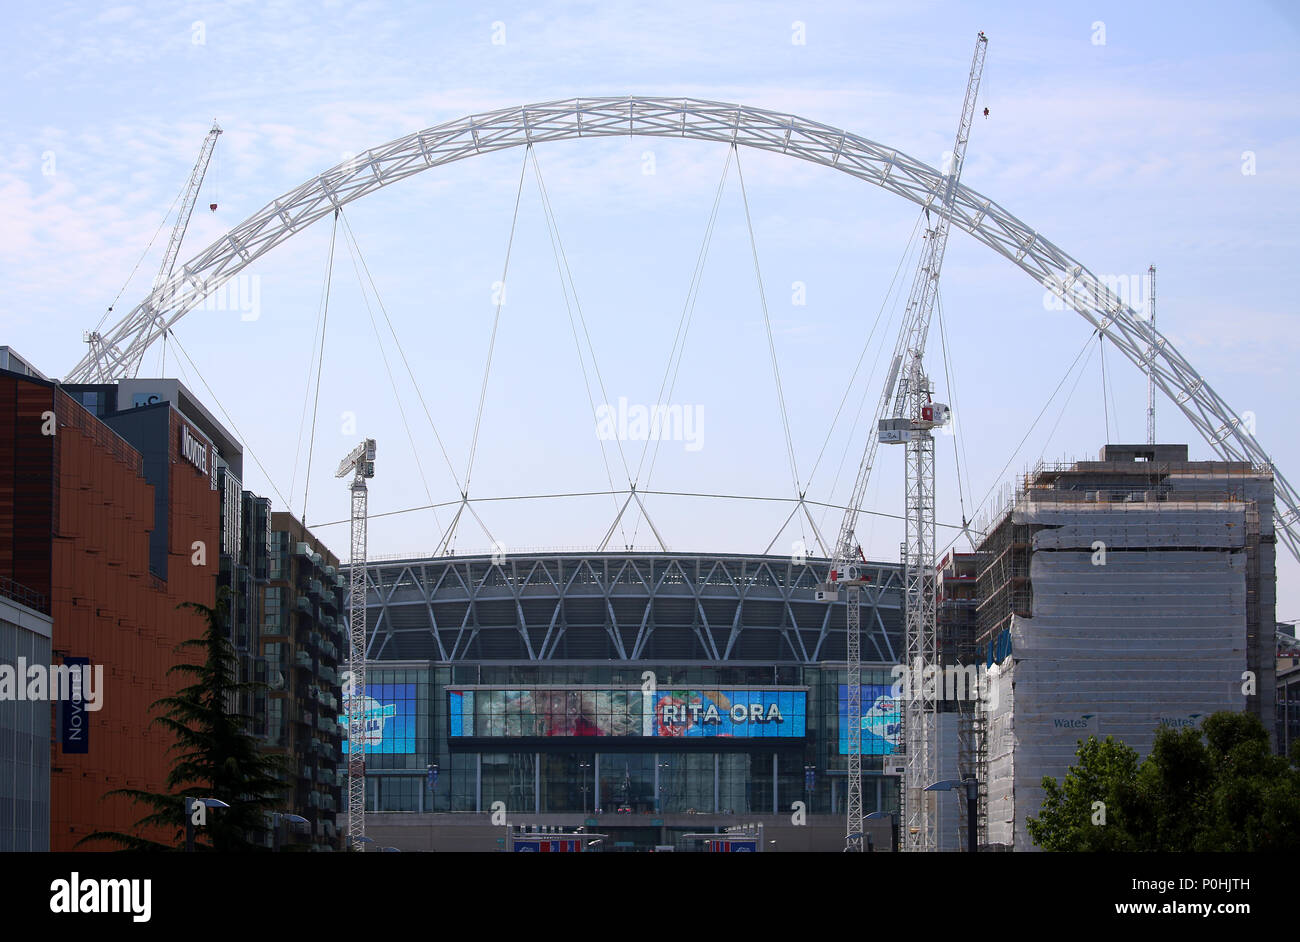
1001,732
1153,637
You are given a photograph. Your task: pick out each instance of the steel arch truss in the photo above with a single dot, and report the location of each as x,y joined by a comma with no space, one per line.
124,346
618,607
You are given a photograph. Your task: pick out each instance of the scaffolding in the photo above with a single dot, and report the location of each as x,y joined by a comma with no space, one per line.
1115,597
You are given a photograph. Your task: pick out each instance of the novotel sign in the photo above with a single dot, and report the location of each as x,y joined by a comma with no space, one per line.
194,450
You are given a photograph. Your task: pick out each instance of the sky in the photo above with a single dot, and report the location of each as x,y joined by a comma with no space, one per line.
1127,134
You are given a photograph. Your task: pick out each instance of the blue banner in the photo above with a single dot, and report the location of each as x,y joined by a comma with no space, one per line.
389,718
75,719
882,721
679,712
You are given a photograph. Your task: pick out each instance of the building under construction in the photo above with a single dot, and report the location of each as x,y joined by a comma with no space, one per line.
1115,597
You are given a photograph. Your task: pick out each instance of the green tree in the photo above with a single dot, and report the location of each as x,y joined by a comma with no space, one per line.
213,756
1107,772
1216,788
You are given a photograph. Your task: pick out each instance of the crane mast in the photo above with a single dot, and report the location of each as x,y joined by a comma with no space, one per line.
906,415
94,338
360,463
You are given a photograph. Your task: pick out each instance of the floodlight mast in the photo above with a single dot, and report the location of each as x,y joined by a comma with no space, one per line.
909,421
360,463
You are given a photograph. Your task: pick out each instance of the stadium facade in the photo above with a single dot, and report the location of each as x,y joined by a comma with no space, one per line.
643,696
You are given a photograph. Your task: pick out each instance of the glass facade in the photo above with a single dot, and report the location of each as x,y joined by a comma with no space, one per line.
25,733
583,739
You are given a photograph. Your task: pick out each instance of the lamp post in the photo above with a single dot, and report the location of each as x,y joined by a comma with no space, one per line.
972,806
190,804
277,820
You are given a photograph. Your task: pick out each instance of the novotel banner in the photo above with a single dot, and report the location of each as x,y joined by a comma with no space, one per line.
683,712
75,721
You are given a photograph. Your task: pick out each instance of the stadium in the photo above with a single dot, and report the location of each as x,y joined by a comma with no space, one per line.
643,697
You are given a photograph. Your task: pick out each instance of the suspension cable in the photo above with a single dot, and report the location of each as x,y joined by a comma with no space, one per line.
354,251
402,353
684,321
316,338
496,322
140,260
865,347
247,447
867,387
688,313
684,494
952,391
320,366
1105,410
767,320
562,267
998,477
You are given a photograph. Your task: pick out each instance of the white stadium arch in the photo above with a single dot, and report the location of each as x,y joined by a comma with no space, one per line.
120,350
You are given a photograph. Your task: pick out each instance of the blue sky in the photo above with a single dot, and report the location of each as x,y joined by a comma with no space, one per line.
1124,153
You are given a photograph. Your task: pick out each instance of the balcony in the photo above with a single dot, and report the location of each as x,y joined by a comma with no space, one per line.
302,659
304,717
304,604
305,772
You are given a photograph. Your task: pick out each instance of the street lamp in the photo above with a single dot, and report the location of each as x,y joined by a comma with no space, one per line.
893,825
278,818
972,805
189,817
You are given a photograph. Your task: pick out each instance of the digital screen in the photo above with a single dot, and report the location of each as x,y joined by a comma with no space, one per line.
882,720
613,712
389,718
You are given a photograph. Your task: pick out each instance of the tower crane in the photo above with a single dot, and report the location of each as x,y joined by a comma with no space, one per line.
360,463
96,341
906,415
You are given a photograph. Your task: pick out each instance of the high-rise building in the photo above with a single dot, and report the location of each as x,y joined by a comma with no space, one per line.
304,649
1115,597
115,534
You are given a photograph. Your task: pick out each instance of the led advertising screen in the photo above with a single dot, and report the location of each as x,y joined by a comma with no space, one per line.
882,721
751,714
389,716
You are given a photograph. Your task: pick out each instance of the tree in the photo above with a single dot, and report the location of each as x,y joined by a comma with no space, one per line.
213,755
1216,788
1107,773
